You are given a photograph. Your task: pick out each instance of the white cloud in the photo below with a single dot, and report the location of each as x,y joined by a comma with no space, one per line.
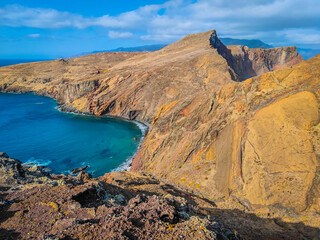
34,35
16,16
115,34
274,21
305,36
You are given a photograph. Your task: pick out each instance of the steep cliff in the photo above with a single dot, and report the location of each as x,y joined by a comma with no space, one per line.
136,85
248,62
254,141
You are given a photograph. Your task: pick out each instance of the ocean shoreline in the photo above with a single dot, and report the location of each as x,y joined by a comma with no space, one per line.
144,127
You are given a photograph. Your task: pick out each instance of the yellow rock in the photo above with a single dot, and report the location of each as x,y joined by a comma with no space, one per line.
279,164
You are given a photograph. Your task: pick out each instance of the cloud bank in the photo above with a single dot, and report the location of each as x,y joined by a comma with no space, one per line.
275,21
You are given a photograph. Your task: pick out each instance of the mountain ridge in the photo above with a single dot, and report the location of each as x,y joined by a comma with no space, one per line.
219,117
251,43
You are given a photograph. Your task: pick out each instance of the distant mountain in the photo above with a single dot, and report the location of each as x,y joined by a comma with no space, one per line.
254,43
308,53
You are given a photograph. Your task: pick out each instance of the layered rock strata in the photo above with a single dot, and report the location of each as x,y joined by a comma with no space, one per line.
211,131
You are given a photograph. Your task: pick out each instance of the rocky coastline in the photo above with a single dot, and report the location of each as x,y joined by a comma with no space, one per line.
236,128
143,126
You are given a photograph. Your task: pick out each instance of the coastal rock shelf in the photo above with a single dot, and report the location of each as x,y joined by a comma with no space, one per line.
237,126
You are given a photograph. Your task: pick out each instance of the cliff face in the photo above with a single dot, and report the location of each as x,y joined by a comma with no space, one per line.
136,85
255,141
248,62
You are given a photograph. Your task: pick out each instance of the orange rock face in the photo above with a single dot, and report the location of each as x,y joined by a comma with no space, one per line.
255,140
279,164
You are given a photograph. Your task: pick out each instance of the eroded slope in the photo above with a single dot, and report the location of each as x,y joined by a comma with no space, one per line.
254,141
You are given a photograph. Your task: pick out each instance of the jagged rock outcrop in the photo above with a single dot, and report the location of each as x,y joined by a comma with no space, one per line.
123,205
255,141
93,209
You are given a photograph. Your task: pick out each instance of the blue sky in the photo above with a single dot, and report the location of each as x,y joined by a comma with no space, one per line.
52,29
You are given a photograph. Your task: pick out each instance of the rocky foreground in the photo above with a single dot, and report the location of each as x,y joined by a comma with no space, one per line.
237,126
37,205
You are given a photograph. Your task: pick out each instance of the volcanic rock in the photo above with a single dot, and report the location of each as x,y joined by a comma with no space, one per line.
231,124
77,170
89,210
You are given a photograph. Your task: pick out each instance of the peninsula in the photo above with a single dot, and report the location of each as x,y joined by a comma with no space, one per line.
234,134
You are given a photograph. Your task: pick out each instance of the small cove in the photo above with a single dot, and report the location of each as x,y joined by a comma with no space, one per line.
34,131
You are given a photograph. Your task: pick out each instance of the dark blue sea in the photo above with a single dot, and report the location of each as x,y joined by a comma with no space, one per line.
34,131
6,62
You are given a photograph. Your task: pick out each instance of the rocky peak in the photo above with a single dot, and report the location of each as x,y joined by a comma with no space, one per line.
247,62
256,141
221,48
214,40
217,44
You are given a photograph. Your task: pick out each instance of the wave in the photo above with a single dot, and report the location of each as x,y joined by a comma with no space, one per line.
37,162
125,166
142,126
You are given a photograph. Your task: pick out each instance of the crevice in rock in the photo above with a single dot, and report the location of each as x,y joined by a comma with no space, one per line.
314,191
259,160
212,103
133,114
88,198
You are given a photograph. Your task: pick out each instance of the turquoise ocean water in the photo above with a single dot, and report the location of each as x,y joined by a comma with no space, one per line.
33,130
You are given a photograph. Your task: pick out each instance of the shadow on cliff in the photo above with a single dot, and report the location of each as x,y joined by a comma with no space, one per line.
239,224
251,226
244,225
4,215
243,67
